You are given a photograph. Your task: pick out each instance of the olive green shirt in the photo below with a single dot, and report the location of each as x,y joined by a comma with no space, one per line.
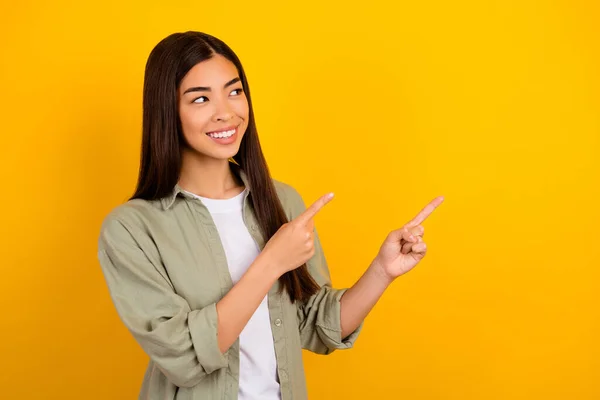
166,270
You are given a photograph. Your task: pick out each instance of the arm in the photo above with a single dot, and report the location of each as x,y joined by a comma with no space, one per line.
401,251
360,299
185,344
236,308
319,318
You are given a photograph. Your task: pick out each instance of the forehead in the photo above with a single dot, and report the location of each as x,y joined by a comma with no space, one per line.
214,72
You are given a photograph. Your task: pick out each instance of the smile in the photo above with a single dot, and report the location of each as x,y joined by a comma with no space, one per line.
222,134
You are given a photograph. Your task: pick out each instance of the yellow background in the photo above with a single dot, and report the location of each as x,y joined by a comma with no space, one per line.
493,104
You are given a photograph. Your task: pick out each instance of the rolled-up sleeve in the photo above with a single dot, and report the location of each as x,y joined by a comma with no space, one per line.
319,323
319,318
181,341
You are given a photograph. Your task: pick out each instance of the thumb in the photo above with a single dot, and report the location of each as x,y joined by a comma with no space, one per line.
401,234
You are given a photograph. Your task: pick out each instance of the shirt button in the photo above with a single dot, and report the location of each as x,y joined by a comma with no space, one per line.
277,322
283,375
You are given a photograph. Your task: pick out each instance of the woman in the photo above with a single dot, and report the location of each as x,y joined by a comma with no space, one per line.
214,267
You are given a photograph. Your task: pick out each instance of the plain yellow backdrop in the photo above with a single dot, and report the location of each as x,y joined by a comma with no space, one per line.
493,104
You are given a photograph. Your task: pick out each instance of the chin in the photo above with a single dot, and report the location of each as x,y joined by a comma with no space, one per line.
227,154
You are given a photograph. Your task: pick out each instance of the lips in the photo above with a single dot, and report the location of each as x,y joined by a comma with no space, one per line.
223,134
229,128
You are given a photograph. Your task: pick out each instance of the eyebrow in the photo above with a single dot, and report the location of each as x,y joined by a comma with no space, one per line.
207,89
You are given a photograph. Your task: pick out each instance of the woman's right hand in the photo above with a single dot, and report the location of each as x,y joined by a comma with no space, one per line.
293,244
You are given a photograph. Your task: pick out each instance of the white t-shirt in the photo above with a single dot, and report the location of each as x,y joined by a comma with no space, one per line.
258,366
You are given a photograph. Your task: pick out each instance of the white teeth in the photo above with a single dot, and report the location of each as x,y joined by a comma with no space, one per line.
221,135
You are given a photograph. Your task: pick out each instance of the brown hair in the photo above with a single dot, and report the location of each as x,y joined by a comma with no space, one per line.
162,138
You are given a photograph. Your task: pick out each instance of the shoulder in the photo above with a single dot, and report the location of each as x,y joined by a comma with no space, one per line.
128,221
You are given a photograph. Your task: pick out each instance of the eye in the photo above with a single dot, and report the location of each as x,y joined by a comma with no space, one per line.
201,99
237,92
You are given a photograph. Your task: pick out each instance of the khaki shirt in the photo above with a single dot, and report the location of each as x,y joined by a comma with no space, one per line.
166,270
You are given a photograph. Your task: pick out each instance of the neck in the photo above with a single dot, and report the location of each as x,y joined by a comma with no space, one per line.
209,177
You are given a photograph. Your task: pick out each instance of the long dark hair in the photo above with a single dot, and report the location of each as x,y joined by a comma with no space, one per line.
162,139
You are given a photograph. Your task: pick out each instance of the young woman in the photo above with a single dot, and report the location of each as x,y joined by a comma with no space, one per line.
215,267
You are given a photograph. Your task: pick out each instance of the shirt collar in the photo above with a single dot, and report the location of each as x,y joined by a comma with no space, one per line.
168,200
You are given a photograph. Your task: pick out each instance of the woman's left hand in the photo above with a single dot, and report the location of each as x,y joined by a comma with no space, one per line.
404,248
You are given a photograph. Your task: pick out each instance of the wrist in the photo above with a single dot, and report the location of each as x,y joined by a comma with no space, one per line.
378,270
264,265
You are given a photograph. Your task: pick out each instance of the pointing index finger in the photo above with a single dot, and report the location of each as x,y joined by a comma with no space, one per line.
311,211
426,212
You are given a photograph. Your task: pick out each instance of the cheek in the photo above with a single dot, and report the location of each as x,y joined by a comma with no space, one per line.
193,120
241,109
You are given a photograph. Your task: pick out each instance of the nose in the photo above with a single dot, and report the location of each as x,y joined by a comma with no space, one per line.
223,112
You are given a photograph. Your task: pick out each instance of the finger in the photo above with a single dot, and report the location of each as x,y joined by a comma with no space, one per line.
410,236
311,211
425,212
418,247
404,235
310,225
407,247
309,235
400,235
418,230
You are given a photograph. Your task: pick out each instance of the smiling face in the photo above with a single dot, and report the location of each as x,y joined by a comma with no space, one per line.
213,109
